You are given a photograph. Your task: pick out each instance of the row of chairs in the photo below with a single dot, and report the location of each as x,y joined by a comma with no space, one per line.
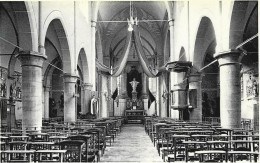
84,141
190,141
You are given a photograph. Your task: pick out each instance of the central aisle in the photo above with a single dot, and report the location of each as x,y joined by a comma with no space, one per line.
132,145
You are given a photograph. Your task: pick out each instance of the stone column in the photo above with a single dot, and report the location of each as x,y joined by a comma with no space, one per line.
69,97
123,86
157,96
163,100
87,96
145,86
11,115
171,28
196,103
99,96
230,89
145,92
92,66
121,108
174,113
256,115
31,89
104,97
46,101
122,95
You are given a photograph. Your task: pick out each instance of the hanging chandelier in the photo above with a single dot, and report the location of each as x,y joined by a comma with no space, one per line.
131,21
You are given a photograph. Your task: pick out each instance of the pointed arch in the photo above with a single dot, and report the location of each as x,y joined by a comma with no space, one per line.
205,36
83,64
55,18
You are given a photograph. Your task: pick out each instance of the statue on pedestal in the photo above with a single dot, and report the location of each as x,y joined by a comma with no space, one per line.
3,90
134,84
252,87
94,106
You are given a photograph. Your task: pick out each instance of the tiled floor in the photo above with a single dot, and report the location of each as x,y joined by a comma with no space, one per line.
132,145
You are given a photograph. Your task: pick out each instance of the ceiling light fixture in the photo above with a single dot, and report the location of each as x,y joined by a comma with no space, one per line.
131,21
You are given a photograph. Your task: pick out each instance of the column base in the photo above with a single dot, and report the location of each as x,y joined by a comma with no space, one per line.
179,107
120,110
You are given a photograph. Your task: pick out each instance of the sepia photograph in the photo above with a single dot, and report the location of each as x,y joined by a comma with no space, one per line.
129,81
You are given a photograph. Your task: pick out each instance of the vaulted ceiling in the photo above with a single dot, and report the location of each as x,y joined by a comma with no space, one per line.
113,34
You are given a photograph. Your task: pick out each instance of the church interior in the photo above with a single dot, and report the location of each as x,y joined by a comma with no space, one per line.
129,81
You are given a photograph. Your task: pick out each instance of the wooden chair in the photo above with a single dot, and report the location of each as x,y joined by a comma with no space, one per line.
87,147
49,155
18,145
18,155
39,137
75,150
19,138
243,155
93,143
206,155
101,139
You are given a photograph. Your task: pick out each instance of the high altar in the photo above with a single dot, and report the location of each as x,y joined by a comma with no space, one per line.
133,94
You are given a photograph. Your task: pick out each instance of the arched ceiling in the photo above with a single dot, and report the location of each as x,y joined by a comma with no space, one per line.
109,9
113,35
251,47
205,43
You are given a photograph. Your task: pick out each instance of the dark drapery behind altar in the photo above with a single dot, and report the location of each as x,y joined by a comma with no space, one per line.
115,94
151,99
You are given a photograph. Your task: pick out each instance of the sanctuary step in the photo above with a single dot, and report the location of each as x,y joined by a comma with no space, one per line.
134,121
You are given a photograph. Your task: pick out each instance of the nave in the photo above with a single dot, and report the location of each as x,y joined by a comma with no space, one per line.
73,74
115,140
132,145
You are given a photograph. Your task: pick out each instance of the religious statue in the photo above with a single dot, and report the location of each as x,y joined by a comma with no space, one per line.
18,93
129,103
3,90
12,89
252,87
61,101
165,96
134,84
94,106
255,88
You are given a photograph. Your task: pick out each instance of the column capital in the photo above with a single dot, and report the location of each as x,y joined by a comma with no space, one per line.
231,56
87,86
171,22
93,24
70,78
47,88
31,58
195,77
41,49
178,66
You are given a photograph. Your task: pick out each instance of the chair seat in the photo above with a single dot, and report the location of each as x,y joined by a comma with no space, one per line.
161,141
166,150
91,158
177,156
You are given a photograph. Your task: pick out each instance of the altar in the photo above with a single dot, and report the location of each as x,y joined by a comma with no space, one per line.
132,92
134,116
